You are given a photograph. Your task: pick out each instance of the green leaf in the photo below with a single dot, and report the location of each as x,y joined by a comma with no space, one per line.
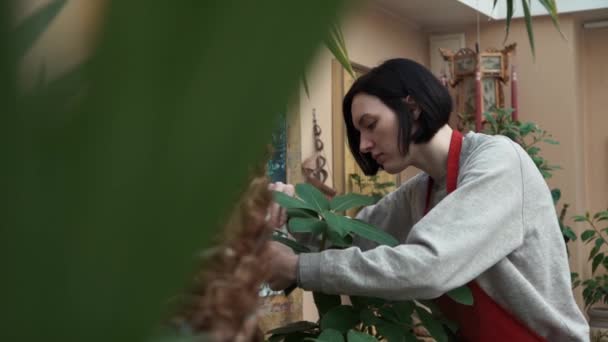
338,240
533,150
345,202
341,318
368,317
331,335
388,314
528,21
601,216
593,252
305,84
356,336
325,302
295,246
289,202
362,229
587,234
551,7
462,295
391,331
312,196
597,260
432,325
551,141
335,43
404,311
306,225
526,128
556,194
294,327
599,242
509,4
130,172
295,212
569,233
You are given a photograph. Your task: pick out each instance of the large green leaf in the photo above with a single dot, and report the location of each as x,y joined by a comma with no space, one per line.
295,246
363,229
307,225
336,45
349,201
341,318
528,19
368,317
391,331
551,7
338,240
404,310
312,196
106,210
289,202
298,212
462,295
325,302
357,336
330,335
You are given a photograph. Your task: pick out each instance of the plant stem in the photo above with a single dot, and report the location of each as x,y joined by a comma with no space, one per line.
323,239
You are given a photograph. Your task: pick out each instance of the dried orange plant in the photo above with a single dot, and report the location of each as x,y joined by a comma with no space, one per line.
224,298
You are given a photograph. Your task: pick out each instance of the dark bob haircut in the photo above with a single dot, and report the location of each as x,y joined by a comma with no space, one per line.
392,82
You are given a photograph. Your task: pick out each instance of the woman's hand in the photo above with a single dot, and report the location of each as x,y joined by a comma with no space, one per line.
283,264
278,215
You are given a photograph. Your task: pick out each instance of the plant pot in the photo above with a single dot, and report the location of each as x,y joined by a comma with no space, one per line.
598,322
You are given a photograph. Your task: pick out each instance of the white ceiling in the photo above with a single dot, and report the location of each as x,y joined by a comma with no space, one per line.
445,15
432,15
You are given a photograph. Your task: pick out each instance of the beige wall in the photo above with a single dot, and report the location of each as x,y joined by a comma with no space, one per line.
371,36
594,72
565,91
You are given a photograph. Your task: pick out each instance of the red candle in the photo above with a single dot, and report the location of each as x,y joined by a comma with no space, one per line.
478,102
514,103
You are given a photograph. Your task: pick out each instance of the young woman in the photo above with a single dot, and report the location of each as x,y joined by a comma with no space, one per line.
479,215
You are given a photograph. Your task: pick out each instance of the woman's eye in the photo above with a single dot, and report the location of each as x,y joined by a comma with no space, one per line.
372,125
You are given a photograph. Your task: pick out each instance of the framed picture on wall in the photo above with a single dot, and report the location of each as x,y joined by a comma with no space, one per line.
491,63
464,65
489,94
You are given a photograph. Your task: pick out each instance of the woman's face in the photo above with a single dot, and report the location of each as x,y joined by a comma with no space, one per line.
379,129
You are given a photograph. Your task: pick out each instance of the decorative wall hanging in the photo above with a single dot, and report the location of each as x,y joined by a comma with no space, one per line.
479,80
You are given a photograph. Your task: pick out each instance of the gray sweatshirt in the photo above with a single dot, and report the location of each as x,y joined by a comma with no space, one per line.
499,228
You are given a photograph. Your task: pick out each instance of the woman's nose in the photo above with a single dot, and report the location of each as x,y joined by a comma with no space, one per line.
366,145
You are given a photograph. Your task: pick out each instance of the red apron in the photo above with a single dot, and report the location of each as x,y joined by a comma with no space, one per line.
485,320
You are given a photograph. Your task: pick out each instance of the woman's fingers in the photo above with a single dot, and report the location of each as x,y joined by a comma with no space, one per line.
278,215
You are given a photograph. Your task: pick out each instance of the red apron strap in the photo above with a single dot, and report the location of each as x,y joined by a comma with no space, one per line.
485,320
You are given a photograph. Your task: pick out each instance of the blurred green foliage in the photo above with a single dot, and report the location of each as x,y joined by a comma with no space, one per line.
106,200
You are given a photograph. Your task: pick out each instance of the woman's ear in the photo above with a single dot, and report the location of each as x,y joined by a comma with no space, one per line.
413,106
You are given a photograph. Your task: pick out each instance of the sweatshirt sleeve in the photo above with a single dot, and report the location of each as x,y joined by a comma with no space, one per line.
391,214
468,232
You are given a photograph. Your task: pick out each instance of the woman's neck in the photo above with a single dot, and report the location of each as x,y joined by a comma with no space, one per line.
432,156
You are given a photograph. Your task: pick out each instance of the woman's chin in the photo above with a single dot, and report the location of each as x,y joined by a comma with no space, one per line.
392,169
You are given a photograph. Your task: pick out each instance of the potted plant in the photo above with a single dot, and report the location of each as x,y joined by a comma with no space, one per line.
365,319
595,289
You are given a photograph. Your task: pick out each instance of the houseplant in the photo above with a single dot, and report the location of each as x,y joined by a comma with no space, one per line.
595,289
367,319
